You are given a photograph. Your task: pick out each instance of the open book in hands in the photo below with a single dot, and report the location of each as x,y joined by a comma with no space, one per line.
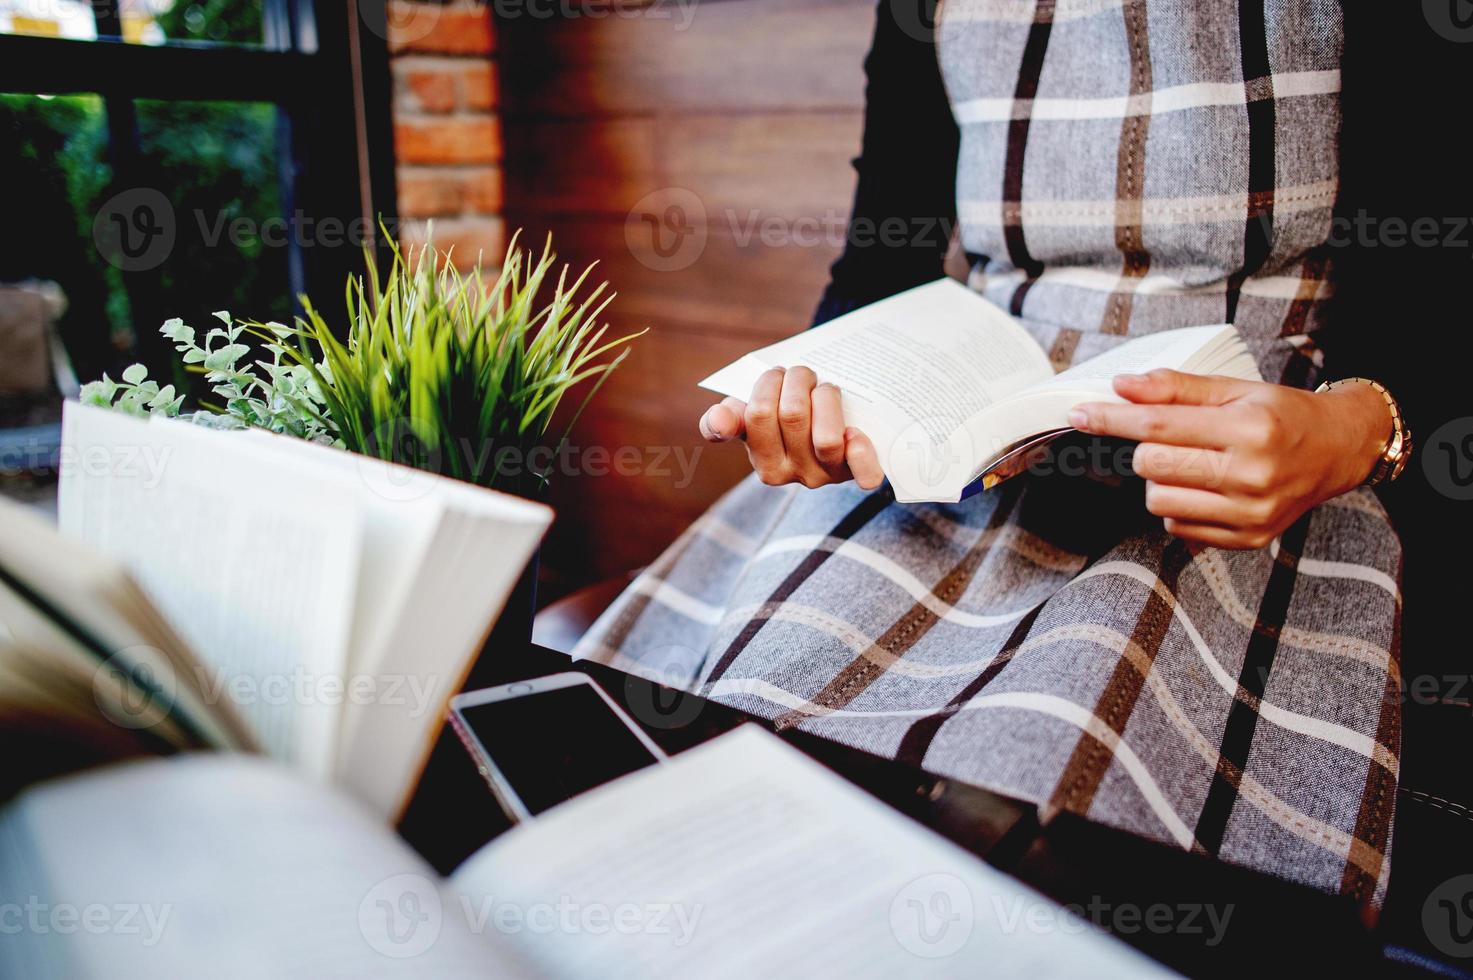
954,392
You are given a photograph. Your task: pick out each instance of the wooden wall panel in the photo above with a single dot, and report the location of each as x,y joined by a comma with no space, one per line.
740,56
752,110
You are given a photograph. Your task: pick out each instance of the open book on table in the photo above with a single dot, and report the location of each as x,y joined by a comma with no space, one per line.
955,394
738,858
239,589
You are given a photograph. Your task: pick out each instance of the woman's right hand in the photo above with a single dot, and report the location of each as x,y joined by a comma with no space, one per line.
795,433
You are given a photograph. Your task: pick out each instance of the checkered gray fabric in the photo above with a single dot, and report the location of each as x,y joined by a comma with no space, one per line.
1124,167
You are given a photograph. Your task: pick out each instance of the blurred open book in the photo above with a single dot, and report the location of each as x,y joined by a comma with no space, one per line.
241,590
741,857
956,395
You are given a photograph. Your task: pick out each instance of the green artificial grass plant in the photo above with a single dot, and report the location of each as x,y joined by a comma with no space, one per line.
429,366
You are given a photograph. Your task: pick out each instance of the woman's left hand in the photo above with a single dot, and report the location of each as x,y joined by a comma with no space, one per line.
1233,463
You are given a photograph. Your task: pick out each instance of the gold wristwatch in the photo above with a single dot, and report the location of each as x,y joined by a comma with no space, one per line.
1398,448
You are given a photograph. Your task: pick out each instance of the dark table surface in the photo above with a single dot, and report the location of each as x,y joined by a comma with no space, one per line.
1169,903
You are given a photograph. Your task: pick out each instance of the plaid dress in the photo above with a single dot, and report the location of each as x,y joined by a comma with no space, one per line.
1124,167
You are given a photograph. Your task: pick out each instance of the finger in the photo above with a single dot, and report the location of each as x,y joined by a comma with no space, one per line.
1198,506
1218,537
1164,386
864,462
723,422
828,428
795,414
764,441
1181,466
1176,425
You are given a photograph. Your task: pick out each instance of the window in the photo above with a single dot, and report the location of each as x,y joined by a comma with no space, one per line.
167,158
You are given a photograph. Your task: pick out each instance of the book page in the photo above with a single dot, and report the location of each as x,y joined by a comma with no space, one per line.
913,368
255,567
84,620
743,858
439,559
1044,407
223,866
1165,349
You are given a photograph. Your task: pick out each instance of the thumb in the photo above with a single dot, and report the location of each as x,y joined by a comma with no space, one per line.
723,422
864,462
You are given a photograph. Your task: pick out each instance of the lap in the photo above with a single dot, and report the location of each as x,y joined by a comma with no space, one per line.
1047,640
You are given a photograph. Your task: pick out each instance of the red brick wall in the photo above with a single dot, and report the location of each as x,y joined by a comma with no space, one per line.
446,132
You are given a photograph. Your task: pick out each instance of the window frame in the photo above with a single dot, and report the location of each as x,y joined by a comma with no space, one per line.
319,63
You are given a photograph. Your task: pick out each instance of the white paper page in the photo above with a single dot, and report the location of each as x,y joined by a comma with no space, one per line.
913,368
396,536
1045,406
223,866
94,593
440,558
254,566
743,858
1165,349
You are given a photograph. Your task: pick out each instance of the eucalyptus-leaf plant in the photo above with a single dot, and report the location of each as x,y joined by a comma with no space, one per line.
443,370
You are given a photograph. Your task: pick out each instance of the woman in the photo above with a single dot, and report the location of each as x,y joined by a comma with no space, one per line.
1212,664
